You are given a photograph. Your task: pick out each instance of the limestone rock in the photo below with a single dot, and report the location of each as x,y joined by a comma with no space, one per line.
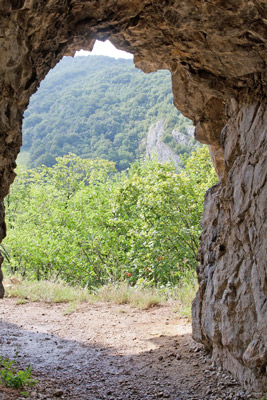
156,148
181,138
230,311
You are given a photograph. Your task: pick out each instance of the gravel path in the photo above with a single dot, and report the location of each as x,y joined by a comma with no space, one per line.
104,351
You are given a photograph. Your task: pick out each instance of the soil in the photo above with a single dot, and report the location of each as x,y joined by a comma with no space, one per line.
105,351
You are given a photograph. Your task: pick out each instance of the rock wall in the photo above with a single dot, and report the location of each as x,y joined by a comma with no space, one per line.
230,310
156,148
216,52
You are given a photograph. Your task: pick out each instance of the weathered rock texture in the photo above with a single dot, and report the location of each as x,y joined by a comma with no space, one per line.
230,310
156,148
216,52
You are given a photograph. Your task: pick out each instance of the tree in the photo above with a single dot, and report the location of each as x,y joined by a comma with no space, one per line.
73,107
82,221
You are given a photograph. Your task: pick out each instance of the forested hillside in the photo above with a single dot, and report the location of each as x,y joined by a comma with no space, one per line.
98,107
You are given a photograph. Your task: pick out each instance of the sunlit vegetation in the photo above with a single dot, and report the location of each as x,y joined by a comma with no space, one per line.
53,291
98,107
12,377
83,222
141,296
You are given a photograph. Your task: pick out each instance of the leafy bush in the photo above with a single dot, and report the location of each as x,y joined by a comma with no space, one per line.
88,225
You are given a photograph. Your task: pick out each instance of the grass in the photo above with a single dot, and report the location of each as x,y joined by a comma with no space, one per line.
22,301
140,297
47,291
71,307
144,298
181,298
124,294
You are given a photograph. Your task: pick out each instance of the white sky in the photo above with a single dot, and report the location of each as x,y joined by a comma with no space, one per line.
104,49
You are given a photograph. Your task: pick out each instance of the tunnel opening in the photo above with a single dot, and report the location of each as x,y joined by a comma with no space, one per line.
101,110
64,188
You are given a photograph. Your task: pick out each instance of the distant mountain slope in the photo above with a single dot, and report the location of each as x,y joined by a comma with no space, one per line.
97,106
162,152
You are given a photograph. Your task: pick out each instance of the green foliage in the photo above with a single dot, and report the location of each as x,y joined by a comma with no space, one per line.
12,378
88,225
96,107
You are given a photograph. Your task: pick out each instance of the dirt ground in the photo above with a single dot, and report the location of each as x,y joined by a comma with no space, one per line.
103,351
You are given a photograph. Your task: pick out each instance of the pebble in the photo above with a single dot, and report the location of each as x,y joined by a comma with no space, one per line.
58,393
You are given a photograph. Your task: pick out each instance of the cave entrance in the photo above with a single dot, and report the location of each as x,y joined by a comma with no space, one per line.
98,108
77,32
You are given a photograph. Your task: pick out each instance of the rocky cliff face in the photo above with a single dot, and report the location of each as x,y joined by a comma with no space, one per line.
216,52
156,148
230,311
